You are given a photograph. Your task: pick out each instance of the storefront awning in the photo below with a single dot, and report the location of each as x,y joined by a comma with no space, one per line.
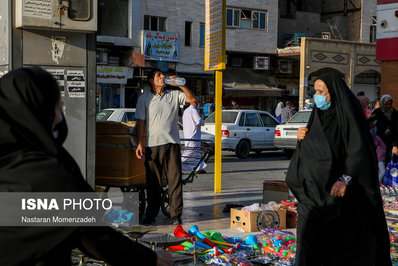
245,82
250,92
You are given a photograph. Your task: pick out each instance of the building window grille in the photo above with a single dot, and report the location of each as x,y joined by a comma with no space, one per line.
154,23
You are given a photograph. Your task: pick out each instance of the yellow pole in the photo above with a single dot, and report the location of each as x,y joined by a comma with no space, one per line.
217,153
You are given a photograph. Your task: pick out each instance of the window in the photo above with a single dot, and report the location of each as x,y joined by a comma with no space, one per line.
242,120
252,120
112,18
301,117
267,120
154,23
259,20
79,10
103,115
233,17
128,116
246,19
188,31
372,33
202,35
227,117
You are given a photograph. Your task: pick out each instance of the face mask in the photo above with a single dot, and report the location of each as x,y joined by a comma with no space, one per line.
60,131
321,103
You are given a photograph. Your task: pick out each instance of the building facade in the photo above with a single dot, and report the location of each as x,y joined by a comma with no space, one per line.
340,21
171,36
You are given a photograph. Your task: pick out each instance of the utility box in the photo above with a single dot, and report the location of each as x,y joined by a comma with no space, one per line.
58,36
77,15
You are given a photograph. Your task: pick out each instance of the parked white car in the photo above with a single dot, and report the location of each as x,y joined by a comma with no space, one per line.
243,131
286,134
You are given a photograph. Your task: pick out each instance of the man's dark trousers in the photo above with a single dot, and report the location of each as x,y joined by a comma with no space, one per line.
159,160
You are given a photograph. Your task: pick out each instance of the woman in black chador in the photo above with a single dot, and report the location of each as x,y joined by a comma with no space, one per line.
333,174
33,160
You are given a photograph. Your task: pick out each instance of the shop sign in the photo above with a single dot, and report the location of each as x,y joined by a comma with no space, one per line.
114,74
215,35
162,66
161,46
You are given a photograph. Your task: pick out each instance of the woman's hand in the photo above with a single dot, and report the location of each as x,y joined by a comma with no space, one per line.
338,189
301,132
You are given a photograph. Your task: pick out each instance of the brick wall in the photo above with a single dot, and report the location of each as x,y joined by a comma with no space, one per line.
389,80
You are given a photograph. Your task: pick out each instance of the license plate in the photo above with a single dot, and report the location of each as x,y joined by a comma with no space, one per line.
291,133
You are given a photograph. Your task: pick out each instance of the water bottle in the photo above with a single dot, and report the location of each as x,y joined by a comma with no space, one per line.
176,81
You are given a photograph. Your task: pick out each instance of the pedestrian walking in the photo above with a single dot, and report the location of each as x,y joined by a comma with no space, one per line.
192,122
365,105
333,174
381,150
157,115
386,120
278,111
287,112
33,160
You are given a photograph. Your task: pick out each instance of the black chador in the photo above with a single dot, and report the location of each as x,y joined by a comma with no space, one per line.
348,230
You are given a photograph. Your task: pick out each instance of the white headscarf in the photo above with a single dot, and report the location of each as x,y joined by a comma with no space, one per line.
385,98
279,108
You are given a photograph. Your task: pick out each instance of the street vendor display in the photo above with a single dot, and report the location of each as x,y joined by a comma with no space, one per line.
211,247
334,176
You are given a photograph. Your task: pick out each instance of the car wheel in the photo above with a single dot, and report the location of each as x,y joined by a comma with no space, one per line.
243,149
288,153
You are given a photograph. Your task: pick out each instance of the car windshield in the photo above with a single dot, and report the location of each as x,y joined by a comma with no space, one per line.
103,115
301,117
227,118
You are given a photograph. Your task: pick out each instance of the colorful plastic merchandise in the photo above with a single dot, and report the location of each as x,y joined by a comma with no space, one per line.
214,248
289,203
393,232
279,245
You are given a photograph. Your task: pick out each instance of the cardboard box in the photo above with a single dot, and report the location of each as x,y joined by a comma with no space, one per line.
275,190
255,220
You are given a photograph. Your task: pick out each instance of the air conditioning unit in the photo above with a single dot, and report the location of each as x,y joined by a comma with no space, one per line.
285,66
261,62
326,35
74,15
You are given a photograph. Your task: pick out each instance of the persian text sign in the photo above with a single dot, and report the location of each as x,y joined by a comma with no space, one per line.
215,35
114,74
161,45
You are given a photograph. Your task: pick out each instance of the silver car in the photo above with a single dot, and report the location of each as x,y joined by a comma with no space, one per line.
286,134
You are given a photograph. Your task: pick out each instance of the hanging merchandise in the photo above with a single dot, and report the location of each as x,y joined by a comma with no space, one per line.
391,174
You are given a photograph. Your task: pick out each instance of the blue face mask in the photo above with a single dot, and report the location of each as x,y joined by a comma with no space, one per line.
321,103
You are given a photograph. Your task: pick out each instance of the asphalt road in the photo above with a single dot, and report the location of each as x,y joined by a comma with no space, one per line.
242,173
